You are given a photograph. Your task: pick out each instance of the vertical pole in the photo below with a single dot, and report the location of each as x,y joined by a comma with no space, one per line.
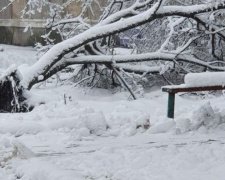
171,104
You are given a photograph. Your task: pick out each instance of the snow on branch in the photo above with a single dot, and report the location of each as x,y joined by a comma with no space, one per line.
155,56
123,20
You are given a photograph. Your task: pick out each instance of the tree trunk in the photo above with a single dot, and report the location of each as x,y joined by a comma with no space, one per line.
12,96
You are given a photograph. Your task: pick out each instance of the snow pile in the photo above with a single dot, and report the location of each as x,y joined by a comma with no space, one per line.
78,120
201,119
205,79
6,150
96,123
1,49
205,116
11,148
21,151
18,128
162,126
124,121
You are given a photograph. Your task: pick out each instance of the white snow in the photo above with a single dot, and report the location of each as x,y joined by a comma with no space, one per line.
13,56
205,79
102,136
96,123
162,127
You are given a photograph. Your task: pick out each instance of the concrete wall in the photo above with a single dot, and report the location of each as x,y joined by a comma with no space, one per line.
12,27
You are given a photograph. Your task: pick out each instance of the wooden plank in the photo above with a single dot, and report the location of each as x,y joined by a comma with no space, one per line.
191,89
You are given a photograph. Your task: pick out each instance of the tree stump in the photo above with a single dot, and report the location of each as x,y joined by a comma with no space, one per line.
11,97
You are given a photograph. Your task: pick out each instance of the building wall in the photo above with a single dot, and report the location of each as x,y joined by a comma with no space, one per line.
12,26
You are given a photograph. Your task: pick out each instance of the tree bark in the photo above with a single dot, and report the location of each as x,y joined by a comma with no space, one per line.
12,97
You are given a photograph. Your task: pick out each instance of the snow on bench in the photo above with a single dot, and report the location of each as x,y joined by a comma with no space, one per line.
207,81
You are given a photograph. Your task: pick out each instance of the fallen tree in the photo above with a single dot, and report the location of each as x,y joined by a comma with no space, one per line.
188,28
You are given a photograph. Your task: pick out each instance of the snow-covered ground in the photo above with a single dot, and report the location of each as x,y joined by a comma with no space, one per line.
97,135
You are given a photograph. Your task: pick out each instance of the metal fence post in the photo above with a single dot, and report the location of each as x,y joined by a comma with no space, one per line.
171,105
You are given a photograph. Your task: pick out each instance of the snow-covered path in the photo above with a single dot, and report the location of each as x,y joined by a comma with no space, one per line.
144,156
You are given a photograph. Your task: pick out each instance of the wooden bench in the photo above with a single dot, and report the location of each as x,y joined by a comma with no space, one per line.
172,90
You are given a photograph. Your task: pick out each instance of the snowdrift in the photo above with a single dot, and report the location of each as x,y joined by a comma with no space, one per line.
201,119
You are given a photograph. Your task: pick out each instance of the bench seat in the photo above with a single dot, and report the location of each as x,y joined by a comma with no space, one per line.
173,89
184,88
